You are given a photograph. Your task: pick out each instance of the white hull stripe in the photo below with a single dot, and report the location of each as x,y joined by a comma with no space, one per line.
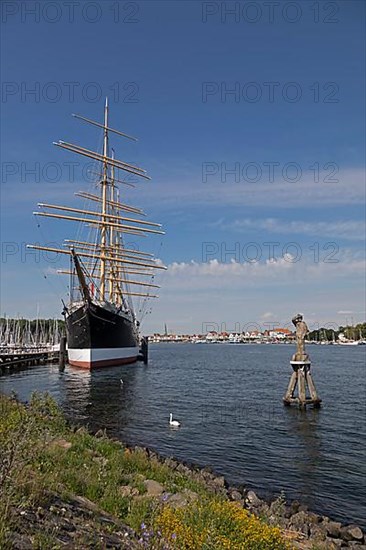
101,354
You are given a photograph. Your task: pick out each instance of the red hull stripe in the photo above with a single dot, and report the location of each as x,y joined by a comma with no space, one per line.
104,363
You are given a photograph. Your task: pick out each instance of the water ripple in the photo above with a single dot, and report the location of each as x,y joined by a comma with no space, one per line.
229,400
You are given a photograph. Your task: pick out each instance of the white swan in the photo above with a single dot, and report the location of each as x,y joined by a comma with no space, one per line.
172,422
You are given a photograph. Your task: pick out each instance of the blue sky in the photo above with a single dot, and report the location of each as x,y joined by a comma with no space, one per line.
251,125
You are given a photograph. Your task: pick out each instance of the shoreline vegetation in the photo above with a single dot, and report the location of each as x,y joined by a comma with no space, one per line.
62,487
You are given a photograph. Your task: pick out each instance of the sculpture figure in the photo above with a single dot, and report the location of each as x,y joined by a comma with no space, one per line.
301,377
301,331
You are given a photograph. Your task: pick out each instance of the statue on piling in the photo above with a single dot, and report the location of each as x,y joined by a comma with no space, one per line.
301,376
301,332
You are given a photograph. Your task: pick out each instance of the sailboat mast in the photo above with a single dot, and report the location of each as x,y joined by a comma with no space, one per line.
104,205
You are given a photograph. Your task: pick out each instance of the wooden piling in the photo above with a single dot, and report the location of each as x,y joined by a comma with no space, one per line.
301,378
144,350
291,388
62,354
311,385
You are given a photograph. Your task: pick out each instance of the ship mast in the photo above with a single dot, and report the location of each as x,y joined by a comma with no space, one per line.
111,238
106,263
103,229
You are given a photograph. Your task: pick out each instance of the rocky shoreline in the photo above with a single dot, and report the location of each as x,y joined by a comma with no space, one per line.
305,529
74,517
64,487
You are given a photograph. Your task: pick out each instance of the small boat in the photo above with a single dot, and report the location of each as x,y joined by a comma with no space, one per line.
101,321
349,343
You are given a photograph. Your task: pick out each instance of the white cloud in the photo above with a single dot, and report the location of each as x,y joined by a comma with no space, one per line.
267,315
214,274
350,189
231,294
354,230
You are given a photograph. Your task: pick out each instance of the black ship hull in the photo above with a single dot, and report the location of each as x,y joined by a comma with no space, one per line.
99,337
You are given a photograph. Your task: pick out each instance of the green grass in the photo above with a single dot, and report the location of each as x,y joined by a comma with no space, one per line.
40,453
33,461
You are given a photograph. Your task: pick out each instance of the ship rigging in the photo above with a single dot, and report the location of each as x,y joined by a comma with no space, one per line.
101,323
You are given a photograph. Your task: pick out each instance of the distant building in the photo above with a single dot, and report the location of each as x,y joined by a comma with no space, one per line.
280,333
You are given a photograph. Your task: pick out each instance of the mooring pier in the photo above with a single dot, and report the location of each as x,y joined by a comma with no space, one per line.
21,358
12,361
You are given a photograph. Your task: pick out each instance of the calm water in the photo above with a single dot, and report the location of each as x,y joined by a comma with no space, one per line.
229,400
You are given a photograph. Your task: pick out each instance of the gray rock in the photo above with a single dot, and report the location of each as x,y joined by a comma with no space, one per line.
152,455
287,512
235,495
333,544
183,469
178,500
352,532
171,463
153,488
333,528
318,532
272,519
313,518
299,522
142,450
294,508
219,481
207,471
278,508
252,499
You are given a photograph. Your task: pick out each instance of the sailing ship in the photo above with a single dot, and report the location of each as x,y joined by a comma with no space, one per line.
101,324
